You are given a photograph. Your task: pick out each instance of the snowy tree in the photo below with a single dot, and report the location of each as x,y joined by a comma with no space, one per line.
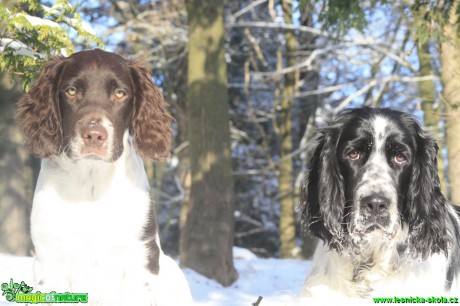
33,32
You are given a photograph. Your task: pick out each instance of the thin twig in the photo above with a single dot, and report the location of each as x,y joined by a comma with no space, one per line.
247,8
272,25
257,303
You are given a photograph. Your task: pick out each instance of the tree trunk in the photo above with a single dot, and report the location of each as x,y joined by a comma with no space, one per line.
431,109
287,225
182,138
307,113
16,178
207,240
450,61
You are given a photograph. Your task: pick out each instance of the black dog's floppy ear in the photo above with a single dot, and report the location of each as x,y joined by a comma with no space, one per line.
38,111
322,199
426,205
151,122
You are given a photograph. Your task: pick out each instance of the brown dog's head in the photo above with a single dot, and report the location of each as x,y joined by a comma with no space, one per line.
83,105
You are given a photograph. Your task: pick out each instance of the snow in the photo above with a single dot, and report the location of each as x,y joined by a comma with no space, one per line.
277,281
37,21
58,10
19,47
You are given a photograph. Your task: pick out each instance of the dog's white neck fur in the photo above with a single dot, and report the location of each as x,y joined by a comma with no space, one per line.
335,276
87,223
381,272
88,180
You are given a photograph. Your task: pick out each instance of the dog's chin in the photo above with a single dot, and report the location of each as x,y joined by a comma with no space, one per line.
365,233
91,155
94,157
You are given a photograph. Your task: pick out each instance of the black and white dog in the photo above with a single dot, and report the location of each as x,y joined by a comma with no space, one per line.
372,195
91,117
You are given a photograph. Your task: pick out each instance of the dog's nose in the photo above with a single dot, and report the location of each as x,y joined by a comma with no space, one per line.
94,135
375,205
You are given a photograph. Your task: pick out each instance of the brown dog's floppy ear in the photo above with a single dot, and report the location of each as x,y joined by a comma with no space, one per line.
38,112
151,122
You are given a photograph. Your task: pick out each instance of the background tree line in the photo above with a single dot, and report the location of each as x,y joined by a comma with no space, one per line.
247,83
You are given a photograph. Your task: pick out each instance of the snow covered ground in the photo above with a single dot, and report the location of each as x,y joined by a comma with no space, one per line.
277,281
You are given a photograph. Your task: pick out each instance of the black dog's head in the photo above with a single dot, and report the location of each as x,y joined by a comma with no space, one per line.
85,104
373,177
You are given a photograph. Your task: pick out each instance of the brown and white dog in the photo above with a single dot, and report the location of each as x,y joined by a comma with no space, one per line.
91,117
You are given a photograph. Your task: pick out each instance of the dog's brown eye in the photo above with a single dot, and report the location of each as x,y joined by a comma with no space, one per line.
354,155
71,91
399,158
120,94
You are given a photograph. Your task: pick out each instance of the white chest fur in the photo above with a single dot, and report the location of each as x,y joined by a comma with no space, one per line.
87,223
88,207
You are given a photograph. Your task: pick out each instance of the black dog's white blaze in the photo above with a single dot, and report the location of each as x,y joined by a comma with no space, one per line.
376,195
372,194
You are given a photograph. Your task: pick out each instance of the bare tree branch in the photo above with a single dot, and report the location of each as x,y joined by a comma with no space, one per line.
375,82
247,8
272,25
